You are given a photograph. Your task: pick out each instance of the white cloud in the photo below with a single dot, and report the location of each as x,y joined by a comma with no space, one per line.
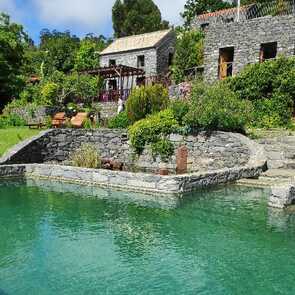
90,14
87,14
80,16
7,5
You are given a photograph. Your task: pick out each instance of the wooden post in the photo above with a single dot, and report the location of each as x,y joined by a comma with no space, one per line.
121,85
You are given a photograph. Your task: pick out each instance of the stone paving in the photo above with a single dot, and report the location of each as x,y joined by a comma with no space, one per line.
280,152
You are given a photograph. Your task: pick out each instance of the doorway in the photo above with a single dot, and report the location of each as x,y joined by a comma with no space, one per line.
226,59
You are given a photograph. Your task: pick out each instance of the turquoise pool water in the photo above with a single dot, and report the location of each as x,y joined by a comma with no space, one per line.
221,241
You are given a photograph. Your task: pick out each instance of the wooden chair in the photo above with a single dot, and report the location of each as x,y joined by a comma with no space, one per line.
78,120
58,120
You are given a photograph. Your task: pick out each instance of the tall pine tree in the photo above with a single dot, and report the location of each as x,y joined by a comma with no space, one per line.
131,17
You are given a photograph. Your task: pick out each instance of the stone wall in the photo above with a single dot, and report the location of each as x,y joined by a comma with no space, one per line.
130,59
206,152
108,109
246,38
34,115
166,48
127,181
156,59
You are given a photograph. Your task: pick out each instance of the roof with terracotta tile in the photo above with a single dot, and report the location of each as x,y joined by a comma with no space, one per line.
223,12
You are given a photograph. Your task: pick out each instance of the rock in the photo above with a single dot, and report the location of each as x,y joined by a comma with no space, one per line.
176,137
282,196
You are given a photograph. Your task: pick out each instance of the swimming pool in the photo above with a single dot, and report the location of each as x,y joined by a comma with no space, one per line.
59,239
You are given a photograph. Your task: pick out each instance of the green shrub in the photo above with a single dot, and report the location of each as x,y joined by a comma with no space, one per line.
261,80
48,122
16,120
216,107
271,88
179,108
30,94
151,129
273,112
121,121
163,148
49,93
86,156
87,124
147,100
3,122
11,120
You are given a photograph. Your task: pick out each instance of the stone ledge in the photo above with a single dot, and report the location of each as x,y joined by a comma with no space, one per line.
128,181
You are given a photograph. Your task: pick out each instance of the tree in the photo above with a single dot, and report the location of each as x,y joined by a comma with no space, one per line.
189,52
33,58
192,8
12,44
87,56
131,17
59,51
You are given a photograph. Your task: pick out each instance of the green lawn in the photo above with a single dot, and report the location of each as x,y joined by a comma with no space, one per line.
11,136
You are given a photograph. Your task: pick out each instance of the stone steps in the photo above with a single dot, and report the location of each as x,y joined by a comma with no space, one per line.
280,151
272,177
263,182
279,173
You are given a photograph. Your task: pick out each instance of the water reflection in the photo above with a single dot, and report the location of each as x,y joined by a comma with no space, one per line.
146,200
281,220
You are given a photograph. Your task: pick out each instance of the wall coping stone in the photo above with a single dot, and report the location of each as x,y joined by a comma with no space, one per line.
129,181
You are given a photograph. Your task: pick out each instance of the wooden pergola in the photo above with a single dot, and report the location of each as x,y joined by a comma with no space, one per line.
121,73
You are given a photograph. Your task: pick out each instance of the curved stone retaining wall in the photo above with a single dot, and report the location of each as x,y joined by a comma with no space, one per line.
206,152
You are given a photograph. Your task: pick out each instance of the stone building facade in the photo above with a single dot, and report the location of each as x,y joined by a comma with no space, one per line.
151,52
205,21
230,47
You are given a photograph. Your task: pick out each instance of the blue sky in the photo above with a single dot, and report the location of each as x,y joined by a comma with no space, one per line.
78,16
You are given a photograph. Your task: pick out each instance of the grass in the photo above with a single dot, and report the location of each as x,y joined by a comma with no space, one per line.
11,136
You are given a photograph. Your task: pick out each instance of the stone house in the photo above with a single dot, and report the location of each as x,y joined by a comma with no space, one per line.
151,52
204,21
252,38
